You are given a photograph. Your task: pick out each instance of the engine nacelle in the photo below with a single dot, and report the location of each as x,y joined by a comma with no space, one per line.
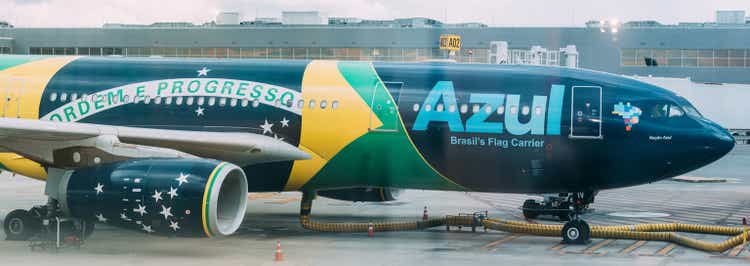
184,197
361,194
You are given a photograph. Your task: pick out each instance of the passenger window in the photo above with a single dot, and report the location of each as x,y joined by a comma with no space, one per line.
74,96
178,101
452,108
464,108
300,104
168,100
323,104
475,109
189,101
244,102
53,97
538,110
222,101
147,100
256,103
201,100
439,107
488,109
334,105
312,104
416,107
427,107
501,109
157,100
514,109
525,110
63,97
211,101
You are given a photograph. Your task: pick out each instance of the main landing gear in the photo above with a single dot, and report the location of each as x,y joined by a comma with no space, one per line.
566,207
45,223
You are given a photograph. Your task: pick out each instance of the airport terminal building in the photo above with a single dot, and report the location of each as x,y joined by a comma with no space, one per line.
715,52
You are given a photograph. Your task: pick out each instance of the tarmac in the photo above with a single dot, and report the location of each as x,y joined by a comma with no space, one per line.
273,217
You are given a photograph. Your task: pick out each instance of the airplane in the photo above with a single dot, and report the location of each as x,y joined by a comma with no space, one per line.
172,146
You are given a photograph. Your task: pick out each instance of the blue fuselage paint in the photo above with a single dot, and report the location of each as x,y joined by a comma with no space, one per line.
534,129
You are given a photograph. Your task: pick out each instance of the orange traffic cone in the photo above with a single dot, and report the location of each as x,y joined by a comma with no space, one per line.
370,230
279,255
424,214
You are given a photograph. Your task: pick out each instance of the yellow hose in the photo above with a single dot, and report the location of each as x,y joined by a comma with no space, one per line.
653,232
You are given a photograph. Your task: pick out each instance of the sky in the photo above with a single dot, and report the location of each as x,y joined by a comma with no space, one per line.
94,13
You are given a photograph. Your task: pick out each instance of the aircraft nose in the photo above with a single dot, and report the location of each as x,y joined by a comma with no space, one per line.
721,142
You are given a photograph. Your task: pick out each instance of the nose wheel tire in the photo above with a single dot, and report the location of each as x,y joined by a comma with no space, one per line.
19,225
576,232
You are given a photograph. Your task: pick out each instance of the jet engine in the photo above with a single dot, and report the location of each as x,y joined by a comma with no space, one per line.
184,197
361,194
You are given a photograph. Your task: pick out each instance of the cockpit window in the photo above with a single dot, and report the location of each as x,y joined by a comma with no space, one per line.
688,108
691,111
661,111
675,111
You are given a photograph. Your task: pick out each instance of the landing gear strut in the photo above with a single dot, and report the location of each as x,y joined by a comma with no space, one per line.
40,223
577,231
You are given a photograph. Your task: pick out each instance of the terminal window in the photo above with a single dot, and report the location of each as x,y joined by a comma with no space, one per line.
474,55
704,58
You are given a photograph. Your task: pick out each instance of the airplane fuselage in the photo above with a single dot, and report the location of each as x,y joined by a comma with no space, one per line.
490,128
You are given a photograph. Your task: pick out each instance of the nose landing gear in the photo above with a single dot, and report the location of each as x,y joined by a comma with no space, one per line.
566,207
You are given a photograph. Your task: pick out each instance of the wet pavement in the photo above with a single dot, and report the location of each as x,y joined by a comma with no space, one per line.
273,217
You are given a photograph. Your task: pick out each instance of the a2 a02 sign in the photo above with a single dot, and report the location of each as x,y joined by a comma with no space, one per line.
450,42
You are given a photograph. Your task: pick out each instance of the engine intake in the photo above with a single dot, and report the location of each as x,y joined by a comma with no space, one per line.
186,197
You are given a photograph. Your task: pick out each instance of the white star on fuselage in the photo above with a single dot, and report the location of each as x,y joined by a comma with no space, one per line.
172,192
203,72
141,209
101,218
174,225
182,179
156,196
276,137
284,122
266,127
166,212
147,228
199,111
99,188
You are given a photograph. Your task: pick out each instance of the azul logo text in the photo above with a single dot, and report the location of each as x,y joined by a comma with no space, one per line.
478,123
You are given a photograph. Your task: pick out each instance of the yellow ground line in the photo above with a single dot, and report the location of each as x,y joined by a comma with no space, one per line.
264,195
558,247
502,240
599,245
665,250
632,247
736,250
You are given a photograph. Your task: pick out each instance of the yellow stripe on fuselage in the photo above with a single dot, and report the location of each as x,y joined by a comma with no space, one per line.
21,89
324,131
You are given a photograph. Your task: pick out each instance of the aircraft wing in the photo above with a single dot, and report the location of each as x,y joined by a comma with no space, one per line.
73,145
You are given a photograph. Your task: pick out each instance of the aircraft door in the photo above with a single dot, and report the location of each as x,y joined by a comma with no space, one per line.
384,107
11,103
585,112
